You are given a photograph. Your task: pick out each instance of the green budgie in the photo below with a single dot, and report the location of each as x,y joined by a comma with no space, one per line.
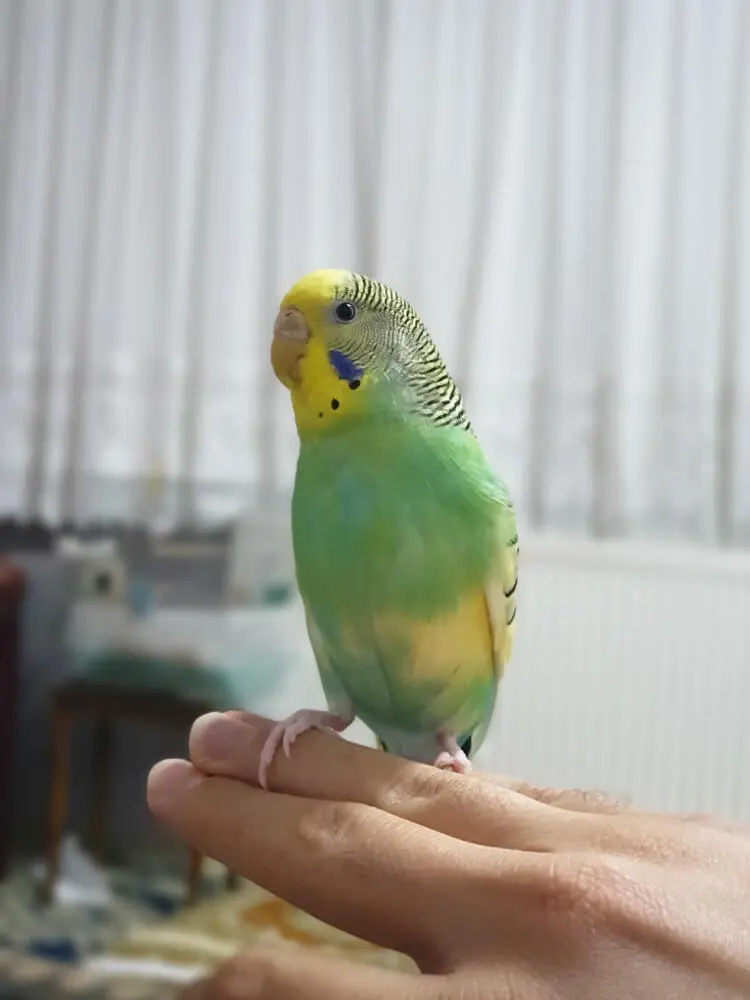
405,542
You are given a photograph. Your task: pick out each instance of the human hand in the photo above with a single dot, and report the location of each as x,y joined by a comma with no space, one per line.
497,890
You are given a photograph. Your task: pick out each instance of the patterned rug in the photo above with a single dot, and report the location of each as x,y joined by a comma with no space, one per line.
25,978
44,949
143,945
200,937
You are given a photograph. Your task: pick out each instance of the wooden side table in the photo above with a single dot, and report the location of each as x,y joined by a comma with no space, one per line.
107,704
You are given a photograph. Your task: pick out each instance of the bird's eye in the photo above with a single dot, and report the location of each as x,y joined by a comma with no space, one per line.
344,312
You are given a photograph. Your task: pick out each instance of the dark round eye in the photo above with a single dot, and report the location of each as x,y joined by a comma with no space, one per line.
345,312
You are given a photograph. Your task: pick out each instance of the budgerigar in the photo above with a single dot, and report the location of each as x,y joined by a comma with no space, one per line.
405,541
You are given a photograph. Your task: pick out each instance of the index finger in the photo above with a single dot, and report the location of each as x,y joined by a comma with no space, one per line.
577,799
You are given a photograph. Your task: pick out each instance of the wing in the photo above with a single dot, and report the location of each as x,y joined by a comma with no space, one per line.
338,700
500,596
500,593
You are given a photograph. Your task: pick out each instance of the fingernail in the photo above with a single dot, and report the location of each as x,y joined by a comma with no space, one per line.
169,779
216,737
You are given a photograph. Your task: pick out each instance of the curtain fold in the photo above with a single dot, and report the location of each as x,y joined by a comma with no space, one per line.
562,190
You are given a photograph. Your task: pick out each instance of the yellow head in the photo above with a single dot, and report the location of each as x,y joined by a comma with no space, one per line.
311,322
345,345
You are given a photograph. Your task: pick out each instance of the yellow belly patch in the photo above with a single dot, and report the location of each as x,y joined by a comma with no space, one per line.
445,664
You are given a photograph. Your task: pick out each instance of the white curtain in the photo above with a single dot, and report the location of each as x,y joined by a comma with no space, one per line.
561,187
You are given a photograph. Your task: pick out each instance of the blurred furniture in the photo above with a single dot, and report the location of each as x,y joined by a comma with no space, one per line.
12,587
107,704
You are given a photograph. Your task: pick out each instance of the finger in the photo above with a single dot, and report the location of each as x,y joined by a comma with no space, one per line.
575,799
603,804
286,974
710,822
323,766
354,867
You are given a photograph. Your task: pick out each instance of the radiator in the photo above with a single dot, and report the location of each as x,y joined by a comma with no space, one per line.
631,674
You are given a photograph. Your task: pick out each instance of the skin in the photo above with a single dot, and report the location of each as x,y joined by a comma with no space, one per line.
497,890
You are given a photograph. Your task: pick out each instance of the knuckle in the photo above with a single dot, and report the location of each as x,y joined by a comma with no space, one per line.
328,827
586,889
411,784
577,799
586,801
659,843
258,974
547,796
599,892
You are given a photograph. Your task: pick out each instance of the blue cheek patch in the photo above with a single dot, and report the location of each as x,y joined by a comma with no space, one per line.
344,367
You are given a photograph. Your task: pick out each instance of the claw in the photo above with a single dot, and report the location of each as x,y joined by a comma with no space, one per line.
452,757
285,733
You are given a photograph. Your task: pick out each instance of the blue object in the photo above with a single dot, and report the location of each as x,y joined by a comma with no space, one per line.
344,366
277,593
54,949
141,598
161,903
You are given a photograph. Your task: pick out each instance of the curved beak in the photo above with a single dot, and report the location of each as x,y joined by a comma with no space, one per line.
290,339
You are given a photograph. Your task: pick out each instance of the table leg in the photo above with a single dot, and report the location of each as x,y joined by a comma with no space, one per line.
58,798
100,771
194,873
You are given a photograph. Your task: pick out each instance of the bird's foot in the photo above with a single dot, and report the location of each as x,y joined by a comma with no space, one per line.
452,757
284,733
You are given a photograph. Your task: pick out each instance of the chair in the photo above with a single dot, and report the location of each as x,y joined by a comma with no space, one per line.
107,704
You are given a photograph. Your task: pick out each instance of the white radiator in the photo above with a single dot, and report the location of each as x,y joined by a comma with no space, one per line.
631,674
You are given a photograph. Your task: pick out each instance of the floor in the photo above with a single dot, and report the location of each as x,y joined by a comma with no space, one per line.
51,952
42,947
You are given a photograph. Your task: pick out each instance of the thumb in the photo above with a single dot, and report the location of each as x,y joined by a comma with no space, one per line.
291,974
